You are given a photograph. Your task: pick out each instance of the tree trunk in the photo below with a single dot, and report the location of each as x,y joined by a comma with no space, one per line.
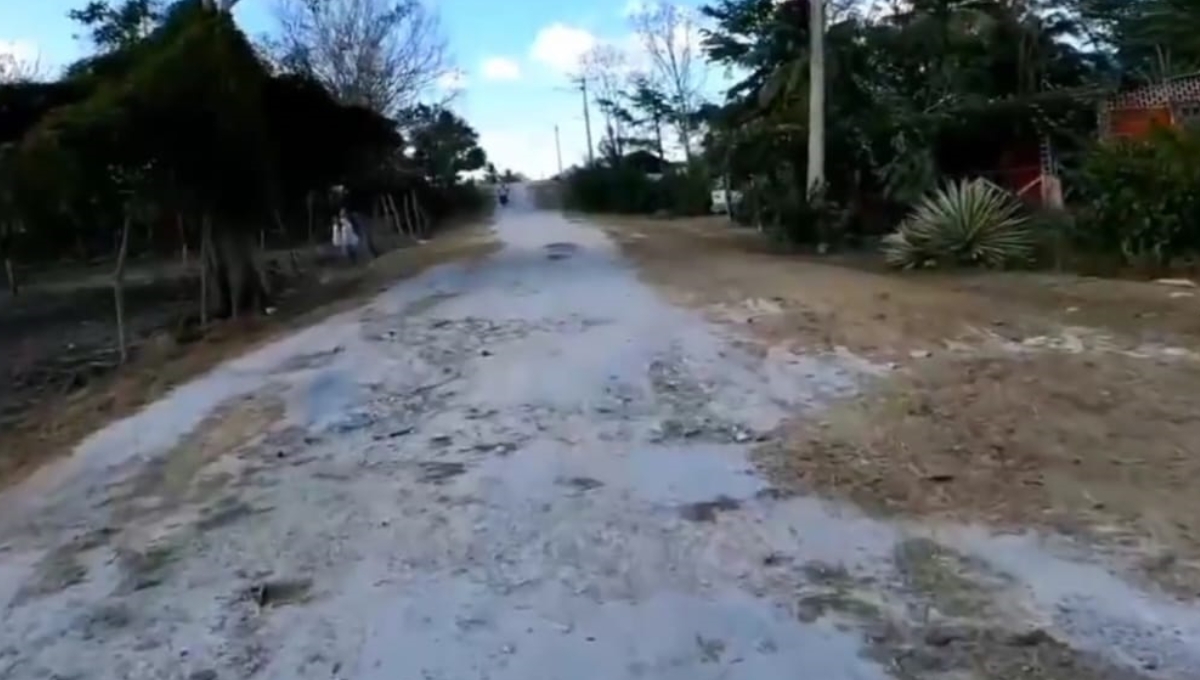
183,244
119,286
389,215
402,225
410,217
816,97
205,265
10,272
658,136
7,238
423,221
240,282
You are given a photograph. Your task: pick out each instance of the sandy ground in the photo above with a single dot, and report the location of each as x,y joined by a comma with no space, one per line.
535,466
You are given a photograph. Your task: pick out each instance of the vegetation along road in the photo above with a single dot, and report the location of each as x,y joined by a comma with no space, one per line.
534,465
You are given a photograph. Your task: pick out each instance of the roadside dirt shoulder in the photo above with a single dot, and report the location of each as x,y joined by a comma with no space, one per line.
1014,399
56,422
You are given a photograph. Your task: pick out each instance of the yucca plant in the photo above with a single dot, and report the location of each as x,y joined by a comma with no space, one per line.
968,222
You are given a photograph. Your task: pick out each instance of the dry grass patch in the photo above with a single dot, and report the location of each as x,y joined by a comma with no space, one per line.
1095,432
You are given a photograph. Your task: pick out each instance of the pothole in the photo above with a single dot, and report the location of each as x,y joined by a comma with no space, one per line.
560,251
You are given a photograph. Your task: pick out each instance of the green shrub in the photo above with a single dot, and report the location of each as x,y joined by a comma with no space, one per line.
626,189
616,189
1140,199
686,192
970,222
789,217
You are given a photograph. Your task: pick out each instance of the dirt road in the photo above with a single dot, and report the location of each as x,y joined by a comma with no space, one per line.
529,467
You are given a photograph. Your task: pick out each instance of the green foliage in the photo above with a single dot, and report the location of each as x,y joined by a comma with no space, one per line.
964,223
914,95
1141,198
686,191
611,189
112,26
445,146
790,217
176,123
630,189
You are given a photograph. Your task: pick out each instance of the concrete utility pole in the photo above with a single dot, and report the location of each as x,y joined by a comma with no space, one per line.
587,119
558,150
816,95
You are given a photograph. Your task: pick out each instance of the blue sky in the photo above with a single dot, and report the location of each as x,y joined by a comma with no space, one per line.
513,58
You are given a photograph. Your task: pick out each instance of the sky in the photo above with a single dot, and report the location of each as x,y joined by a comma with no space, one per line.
513,63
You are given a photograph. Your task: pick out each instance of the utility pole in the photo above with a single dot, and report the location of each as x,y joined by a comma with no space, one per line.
816,96
558,150
587,119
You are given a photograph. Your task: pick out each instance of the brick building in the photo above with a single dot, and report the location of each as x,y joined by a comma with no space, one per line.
1133,113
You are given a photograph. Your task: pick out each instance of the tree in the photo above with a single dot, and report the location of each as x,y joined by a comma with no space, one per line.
1150,40
182,129
382,54
443,145
643,111
912,89
112,26
668,34
605,67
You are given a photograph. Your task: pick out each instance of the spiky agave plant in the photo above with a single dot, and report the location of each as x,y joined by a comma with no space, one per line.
968,222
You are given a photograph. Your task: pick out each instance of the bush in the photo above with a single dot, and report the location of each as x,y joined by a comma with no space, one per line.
1141,198
626,189
686,192
610,189
970,222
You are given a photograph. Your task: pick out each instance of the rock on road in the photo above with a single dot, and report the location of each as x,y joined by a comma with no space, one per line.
526,468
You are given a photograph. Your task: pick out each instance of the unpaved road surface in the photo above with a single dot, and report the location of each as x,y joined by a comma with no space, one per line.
531,467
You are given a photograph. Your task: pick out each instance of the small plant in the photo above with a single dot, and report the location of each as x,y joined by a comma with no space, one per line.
969,222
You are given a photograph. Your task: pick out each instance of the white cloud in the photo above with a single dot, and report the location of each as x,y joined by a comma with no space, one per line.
501,68
560,47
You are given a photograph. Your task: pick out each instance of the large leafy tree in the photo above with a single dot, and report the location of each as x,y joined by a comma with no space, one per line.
120,24
1148,40
444,145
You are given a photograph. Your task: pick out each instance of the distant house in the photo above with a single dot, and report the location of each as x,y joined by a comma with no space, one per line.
1020,151
1016,142
1133,113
